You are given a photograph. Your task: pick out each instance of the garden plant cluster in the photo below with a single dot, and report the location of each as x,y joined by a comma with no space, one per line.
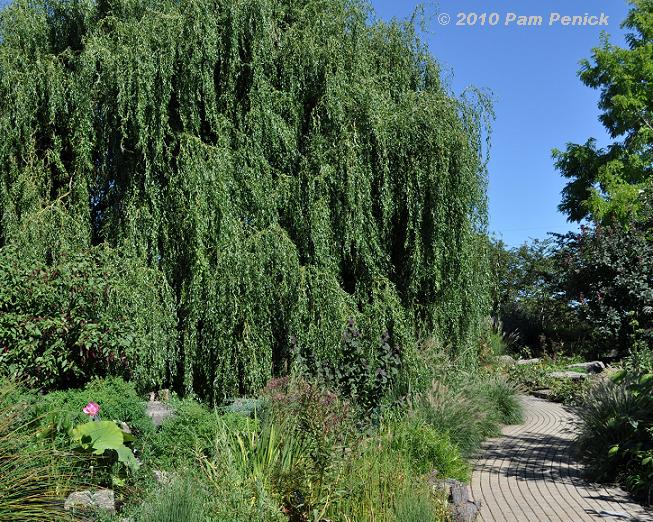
246,276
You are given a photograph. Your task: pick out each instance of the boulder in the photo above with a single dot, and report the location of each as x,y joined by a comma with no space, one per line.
542,394
161,477
462,506
528,361
574,376
590,367
100,500
506,360
158,412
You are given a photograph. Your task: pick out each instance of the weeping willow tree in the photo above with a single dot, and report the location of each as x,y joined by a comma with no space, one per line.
285,164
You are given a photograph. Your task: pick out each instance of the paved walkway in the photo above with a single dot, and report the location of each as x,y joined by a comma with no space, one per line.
528,475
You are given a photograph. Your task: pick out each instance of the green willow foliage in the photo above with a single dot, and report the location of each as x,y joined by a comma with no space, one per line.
287,164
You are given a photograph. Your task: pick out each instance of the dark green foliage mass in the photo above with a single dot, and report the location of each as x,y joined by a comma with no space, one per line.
86,314
607,274
286,165
532,308
587,293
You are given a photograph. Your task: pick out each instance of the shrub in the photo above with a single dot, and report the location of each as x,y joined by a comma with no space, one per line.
119,401
640,358
365,374
87,314
616,438
191,432
425,449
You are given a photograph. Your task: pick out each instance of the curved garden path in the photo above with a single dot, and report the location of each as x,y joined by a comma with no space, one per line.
529,475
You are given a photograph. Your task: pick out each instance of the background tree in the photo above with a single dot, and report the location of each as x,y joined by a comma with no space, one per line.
531,304
606,184
606,274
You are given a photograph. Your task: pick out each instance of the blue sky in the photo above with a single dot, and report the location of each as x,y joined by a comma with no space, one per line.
539,101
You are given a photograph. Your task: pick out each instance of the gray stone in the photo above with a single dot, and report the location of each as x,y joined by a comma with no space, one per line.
161,477
158,412
506,360
462,506
590,367
574,376
102,499
528,361
542,394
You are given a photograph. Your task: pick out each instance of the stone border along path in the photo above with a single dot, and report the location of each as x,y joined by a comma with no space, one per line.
529,475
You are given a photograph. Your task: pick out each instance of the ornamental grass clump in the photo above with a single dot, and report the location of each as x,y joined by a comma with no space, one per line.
183,499
34,476
616,437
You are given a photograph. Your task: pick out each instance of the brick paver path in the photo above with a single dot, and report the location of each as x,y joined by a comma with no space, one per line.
529,475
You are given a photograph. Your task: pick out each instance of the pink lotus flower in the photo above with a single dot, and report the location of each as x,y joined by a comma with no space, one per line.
92,409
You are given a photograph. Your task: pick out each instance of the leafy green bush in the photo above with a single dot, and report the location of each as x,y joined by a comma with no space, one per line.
616,438
192,431
86,314
426,449
640,358
365,373
119,401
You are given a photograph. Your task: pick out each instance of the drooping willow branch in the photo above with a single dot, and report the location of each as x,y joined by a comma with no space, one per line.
286,165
